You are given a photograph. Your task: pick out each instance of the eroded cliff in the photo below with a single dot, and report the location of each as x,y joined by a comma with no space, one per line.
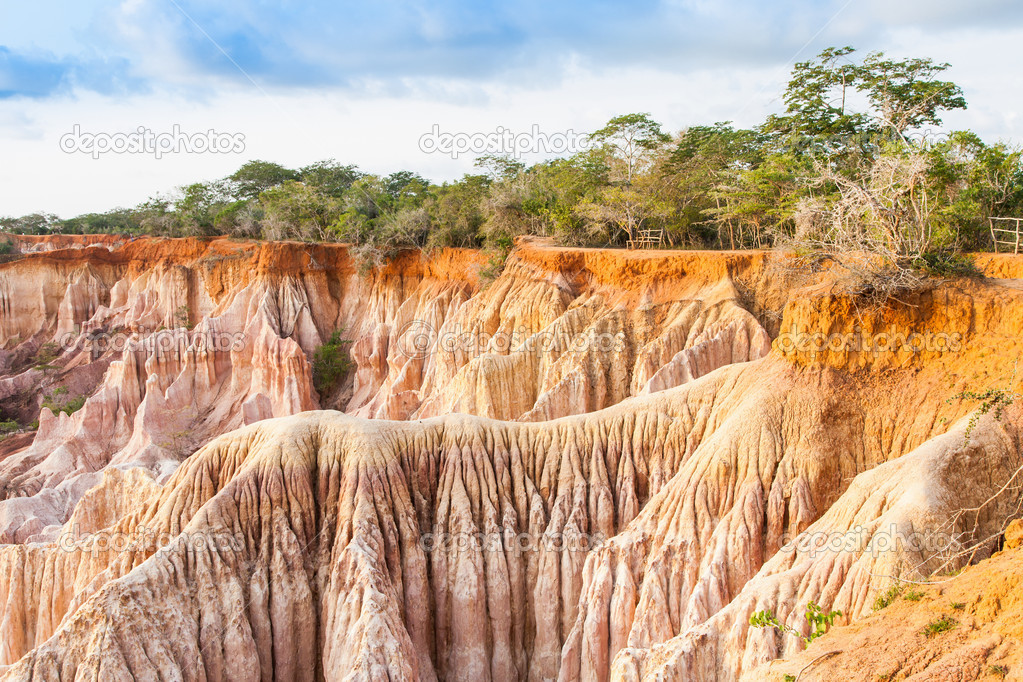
633,472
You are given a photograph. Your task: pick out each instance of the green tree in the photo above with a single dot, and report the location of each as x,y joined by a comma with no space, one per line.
297,211
33,223
973,181
630,138
330,177
198,205
257,176
704,157
499,167
816,97
906,94
331,362
902,95
456,211
626,208
157,216
405,190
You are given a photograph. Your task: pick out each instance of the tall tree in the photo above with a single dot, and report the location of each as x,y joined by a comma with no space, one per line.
258,176
631,138
330,177
906,94
816,97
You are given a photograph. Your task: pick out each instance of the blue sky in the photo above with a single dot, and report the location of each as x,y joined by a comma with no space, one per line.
362,81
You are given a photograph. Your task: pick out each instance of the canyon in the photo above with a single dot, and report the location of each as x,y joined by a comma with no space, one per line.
590,465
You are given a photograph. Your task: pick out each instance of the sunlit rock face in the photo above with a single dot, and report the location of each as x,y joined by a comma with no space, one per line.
593,467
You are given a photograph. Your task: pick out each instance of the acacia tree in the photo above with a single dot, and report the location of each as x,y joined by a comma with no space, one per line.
905,94
630,139
498,167
902,95
330,177
817,95
294,209
258,176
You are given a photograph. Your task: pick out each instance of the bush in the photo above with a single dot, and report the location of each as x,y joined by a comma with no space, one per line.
57,402
888,597
943,624
45,356
820,622
331,363
945,263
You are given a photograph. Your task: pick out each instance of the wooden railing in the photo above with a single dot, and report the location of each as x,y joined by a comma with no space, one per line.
1006,236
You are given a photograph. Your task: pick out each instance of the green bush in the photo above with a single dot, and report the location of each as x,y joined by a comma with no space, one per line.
948,264
45,356
57,402
936,627
820,622
888,597
331,363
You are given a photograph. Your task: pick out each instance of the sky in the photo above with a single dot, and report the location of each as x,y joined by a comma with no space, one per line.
104,103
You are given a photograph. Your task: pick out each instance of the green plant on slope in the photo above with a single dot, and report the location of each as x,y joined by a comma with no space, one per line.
57,402
888,597
993,400
820,622
936,627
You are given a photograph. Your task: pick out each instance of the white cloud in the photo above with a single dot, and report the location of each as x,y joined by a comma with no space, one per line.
378,125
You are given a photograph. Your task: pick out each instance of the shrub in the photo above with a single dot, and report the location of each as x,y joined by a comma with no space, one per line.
993,400
936,627
820,621
888,597
331,363
46,354
945,263
57,402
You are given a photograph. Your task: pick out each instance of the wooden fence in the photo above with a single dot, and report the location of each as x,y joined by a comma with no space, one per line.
648,238
1006,236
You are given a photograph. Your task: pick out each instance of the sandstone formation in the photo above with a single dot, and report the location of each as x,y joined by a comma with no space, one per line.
594,467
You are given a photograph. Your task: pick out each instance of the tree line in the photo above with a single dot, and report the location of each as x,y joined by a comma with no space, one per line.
857,160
